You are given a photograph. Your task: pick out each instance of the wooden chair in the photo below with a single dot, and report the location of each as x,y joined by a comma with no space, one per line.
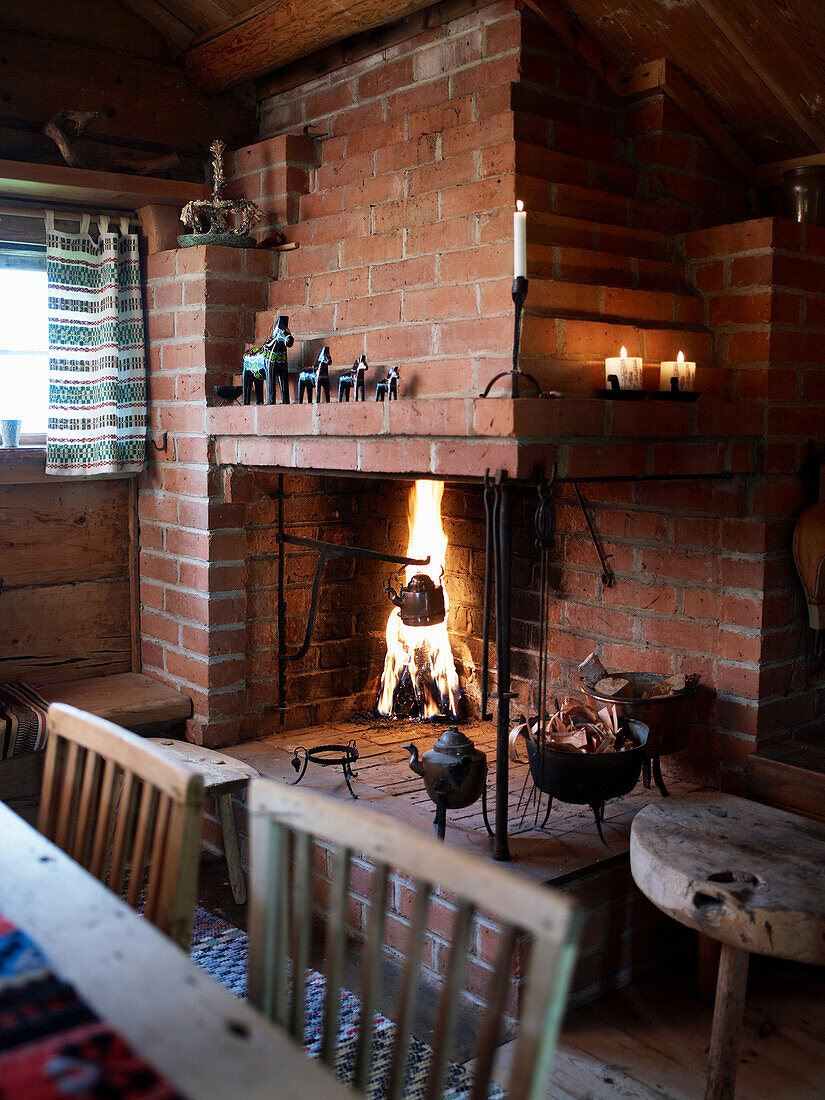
127,812
284,822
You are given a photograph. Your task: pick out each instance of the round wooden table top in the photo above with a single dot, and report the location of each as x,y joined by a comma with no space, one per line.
748,875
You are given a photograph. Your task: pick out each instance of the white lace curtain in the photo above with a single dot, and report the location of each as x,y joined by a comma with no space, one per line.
97,370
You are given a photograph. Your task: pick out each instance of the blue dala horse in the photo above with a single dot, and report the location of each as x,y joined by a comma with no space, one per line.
268,363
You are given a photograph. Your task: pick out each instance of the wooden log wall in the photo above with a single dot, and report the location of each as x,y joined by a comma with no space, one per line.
64,559
88,56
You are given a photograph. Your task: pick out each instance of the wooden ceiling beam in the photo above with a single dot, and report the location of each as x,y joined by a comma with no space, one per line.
574,36
176,32
728,24
275,33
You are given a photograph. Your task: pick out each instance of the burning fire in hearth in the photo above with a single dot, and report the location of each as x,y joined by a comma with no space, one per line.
420,655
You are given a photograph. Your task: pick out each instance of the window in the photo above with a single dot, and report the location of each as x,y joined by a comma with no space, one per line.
24,348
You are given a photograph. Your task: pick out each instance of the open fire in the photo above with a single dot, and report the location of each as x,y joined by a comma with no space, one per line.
419,667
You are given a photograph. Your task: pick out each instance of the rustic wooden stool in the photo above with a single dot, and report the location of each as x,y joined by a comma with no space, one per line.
222,777
745,874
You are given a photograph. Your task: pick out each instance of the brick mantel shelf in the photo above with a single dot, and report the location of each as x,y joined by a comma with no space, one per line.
458,438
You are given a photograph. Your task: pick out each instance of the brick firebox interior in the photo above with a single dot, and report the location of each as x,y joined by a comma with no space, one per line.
399,189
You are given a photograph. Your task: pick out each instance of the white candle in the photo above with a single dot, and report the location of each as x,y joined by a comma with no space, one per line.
684,373
627,368
520,241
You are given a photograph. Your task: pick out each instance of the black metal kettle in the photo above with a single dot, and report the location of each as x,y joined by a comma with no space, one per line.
454,772
421,601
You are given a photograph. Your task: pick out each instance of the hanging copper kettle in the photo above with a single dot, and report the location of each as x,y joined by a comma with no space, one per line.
420,601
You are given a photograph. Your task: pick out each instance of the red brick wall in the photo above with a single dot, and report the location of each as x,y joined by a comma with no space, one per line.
764,288
403,216
407,216
201,308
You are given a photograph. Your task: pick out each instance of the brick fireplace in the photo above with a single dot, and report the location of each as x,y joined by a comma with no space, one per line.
396,175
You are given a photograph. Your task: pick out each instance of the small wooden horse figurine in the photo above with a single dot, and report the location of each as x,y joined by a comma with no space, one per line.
268,363
353,379
388,387
315,379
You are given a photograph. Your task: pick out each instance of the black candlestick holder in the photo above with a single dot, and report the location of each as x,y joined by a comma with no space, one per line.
516,374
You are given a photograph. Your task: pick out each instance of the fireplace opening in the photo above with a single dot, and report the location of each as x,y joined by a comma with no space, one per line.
419,679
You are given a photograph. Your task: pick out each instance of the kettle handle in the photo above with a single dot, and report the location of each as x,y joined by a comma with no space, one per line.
391,592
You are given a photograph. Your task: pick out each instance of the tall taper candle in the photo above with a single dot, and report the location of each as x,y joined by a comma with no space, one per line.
520,241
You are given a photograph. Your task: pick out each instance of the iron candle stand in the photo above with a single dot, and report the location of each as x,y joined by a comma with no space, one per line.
519,294
516,374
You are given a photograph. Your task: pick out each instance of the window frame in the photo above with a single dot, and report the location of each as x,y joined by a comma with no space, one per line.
24,256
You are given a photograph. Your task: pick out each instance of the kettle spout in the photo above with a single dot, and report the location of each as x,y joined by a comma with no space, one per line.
415,763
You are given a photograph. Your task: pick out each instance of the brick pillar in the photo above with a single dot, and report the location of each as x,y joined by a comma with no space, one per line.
764,288
201,309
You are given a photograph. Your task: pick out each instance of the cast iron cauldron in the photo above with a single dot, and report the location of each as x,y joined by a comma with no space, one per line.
421,602
589,779
668,717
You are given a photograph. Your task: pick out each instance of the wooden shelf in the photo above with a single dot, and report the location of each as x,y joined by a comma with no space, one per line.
55,183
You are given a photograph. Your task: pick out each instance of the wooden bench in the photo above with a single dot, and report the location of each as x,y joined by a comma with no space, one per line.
128,699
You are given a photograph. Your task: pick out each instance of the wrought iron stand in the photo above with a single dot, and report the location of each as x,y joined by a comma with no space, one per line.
328,756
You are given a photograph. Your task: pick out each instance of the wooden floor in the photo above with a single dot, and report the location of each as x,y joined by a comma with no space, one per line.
651,1038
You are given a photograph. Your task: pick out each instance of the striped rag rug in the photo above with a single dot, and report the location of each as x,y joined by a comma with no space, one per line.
22,720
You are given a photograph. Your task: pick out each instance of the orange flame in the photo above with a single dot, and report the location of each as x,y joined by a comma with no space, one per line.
425,650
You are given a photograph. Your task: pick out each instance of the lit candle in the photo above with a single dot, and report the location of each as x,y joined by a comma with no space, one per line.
627,370
677,376
520,241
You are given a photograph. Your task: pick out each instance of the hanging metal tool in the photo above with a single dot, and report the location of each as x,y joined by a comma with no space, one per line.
497,505
544,522
608,576
326,550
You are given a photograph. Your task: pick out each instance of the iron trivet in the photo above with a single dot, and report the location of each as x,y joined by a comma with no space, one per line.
328,756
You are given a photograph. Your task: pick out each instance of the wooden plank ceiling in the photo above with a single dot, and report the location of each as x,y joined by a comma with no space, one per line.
760,64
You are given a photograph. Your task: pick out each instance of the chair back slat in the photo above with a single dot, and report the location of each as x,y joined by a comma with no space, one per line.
476,886
103,827
301,928
540,1020
89,794
152,900
334,950
408,991
119,859
66,815
267,931
142,845
445,1022
371,974
490,1028
124,810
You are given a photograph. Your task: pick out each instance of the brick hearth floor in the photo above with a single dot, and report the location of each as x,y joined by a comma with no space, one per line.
569,843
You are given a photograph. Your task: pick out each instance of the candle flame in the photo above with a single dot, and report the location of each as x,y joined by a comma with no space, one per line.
519,205
623,352
680,358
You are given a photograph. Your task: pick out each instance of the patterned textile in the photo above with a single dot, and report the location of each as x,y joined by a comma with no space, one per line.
52,1046
221,949
22,720
97,372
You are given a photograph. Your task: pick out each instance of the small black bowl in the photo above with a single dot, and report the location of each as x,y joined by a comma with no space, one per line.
228,393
